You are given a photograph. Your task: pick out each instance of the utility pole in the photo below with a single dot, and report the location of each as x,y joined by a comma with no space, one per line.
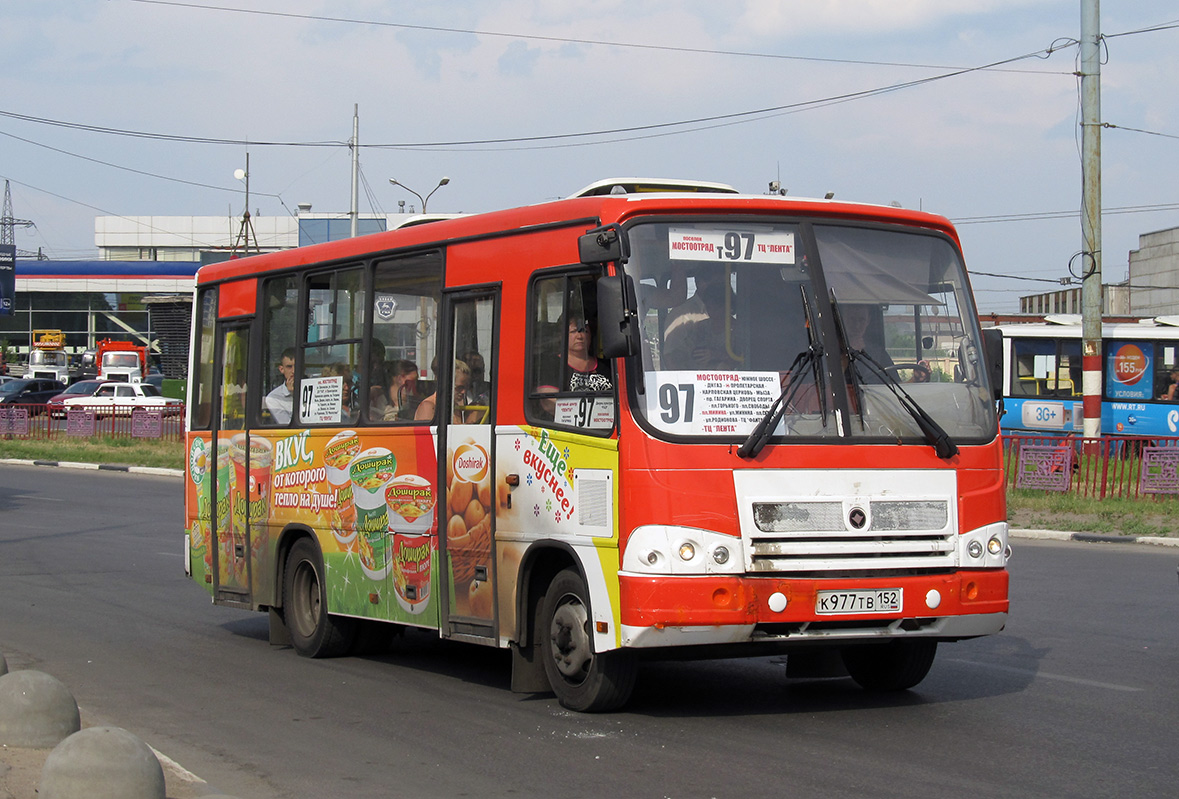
7,223
1091,300
8,253
247,227
354,213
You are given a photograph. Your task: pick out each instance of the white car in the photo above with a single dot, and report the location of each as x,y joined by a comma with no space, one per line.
122,398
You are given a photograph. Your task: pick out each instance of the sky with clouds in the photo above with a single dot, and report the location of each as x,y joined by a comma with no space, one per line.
520,101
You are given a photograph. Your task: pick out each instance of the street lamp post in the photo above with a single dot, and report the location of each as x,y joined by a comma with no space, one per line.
425,199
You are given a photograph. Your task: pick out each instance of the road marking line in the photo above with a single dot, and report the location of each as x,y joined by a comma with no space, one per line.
1048,676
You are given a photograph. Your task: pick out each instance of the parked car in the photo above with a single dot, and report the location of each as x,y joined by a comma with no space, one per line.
32,392
113,398
83,388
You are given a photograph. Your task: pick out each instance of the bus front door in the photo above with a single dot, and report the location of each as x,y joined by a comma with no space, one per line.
232,475
466,455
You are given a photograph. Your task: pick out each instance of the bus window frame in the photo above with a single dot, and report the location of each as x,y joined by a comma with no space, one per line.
568,272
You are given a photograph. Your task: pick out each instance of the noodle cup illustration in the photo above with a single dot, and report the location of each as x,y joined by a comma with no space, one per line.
251,486
338,454
412,556
410,498
370,472
224,511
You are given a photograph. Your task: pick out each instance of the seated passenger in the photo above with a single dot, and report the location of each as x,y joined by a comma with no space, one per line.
696,333
399,400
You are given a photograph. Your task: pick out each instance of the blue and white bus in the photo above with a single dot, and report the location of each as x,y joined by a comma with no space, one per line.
1042,389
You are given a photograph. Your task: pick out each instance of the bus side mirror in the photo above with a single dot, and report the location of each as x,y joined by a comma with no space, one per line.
603,245
618,323
993,358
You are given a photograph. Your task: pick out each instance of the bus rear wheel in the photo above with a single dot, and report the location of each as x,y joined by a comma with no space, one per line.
895,666
314,632
582,679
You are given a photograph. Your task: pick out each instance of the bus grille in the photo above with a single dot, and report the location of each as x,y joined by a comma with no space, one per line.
821,538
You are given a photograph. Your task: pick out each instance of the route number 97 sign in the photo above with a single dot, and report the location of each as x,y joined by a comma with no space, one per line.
759,247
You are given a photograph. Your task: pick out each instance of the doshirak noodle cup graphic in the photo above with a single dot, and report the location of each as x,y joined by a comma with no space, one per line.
226,572
253,458
410,499
251,481
411,570
337,457
370,471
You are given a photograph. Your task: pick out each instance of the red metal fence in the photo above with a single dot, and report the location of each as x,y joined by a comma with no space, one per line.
34,422
1109,466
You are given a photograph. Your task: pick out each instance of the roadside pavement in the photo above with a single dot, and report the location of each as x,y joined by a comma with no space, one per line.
20,769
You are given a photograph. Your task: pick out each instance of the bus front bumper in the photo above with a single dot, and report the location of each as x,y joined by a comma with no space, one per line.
711,609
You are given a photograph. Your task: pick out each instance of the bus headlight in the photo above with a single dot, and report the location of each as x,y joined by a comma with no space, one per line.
984,548
665,549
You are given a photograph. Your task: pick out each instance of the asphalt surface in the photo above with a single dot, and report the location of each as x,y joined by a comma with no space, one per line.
20,769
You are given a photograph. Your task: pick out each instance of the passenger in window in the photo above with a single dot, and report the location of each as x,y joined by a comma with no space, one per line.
480,390
1172,392
863,337
376,371
400,399
279,402
586,372
921,372
695,336
462,380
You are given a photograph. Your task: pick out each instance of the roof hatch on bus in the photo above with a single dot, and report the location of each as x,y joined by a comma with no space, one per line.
651,185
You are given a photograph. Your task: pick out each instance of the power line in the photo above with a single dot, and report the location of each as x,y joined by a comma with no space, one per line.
1043,215
560,39
664,127
1138,130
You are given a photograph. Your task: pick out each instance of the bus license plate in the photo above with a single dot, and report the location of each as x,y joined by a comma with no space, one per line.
877,600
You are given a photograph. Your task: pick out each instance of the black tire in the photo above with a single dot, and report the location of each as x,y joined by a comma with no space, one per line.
583,680
895,666
314,632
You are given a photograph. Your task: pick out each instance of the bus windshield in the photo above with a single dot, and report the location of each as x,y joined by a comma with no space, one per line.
846,328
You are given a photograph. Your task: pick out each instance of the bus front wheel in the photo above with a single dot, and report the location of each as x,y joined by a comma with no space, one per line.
895,666
582,679
314,632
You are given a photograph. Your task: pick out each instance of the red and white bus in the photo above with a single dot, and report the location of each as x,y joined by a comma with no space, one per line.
604,428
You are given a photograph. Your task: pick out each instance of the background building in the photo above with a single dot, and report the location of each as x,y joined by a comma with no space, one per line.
140,288
1154,274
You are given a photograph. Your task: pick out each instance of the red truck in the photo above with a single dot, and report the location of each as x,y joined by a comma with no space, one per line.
121,361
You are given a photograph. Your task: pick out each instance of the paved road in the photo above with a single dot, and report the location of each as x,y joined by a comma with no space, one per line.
1077,697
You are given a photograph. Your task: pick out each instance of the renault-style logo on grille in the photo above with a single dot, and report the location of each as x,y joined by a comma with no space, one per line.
857,518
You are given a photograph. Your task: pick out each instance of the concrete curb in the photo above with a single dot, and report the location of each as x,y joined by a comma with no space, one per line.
1095,538
104,467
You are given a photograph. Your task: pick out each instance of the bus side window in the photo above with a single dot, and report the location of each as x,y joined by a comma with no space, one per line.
203,382
406,311
568,384
279,340
331,351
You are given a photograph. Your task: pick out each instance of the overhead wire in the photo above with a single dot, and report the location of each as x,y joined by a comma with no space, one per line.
554,39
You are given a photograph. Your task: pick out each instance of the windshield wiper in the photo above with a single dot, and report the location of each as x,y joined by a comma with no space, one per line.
765,428
812,357
934,433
